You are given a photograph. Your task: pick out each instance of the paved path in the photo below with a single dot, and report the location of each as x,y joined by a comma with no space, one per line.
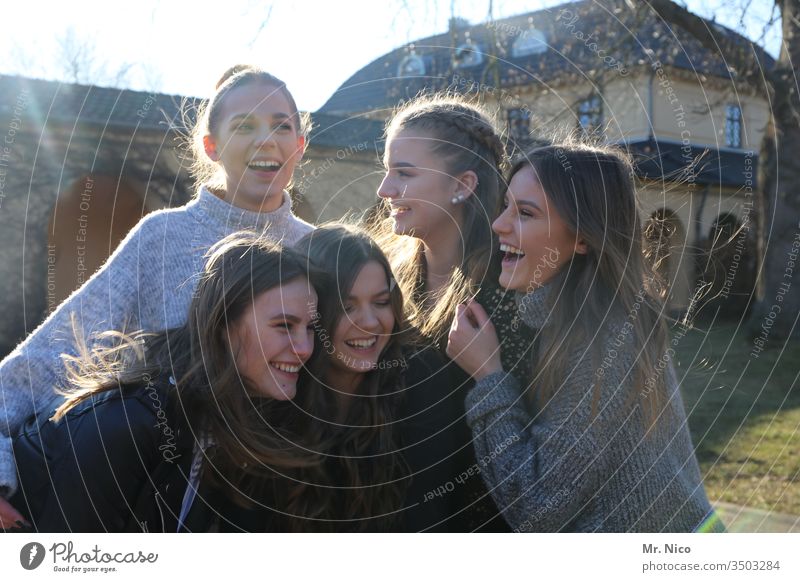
738,519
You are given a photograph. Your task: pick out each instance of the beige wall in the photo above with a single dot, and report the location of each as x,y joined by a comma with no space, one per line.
335,182
680,108
695,111
554,106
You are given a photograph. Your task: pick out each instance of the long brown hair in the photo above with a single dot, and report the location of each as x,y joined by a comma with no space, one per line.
364,458
465,138
250,435
593,190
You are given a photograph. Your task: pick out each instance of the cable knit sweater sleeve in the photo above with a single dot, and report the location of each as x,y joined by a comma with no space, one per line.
108,300
543,469
532,469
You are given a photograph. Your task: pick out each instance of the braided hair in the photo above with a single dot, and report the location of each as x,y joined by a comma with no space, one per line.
464,138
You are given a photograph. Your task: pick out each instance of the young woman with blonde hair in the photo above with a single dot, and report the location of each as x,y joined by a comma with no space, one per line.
444,162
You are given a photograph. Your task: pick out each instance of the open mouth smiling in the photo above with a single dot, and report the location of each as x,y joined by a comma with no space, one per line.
511,253
265,165
362,344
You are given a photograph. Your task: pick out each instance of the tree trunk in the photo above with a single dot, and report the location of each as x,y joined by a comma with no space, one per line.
775,316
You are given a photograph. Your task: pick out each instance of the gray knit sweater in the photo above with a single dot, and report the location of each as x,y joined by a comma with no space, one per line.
562,468
147,283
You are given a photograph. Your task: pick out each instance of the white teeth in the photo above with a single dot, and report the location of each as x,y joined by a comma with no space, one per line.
265,165
362,343
286,367
509,249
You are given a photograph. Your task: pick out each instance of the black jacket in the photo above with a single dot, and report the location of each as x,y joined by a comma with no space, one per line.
119,462
116,462
431,436
433,440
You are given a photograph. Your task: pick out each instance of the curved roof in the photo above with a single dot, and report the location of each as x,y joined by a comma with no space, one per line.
575,34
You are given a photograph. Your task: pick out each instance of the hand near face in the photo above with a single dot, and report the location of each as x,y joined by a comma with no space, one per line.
10,518
472,342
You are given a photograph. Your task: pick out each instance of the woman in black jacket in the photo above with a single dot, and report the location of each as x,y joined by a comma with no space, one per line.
379,400
377,409
173,442
157,418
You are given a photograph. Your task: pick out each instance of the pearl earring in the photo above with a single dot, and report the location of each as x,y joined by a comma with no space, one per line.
457,199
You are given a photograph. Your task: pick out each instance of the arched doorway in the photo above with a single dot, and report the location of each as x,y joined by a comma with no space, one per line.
726,266
88,221
666,240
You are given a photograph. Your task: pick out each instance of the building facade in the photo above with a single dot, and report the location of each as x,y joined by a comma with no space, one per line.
619,76
80,165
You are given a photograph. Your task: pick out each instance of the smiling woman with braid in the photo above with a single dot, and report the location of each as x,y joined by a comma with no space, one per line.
444,162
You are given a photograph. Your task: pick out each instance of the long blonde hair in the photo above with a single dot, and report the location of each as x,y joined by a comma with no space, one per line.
465,138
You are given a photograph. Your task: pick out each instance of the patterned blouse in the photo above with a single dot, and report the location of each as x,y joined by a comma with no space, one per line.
479,512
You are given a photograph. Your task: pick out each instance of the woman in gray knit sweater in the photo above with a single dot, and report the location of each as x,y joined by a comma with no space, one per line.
248,140
598,440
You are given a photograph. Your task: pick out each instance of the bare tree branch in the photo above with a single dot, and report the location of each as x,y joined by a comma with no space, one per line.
747,64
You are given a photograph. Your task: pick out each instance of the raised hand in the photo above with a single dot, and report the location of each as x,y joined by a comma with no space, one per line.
472,342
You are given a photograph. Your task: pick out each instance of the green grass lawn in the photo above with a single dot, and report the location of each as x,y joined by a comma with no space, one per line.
744,415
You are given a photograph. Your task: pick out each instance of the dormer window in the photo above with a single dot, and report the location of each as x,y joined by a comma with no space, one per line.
467,54
412,65
590,115
530,42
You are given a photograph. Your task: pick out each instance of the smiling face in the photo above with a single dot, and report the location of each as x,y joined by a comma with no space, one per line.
534,239
366,325
257,143
419,187
274,337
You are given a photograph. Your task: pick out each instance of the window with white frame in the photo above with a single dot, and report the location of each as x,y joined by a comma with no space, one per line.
733,126
590,115
519,123
467,54
530,42
411,66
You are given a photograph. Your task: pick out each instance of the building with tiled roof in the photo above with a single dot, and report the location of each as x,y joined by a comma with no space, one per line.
547,47
624,77
595,67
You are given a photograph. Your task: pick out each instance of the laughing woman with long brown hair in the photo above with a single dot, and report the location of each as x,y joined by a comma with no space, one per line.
156,428
598,440
378,401
246,142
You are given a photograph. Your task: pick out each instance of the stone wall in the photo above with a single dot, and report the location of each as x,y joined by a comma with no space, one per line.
41,163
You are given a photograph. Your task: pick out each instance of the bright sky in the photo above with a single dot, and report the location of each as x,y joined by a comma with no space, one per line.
183,47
